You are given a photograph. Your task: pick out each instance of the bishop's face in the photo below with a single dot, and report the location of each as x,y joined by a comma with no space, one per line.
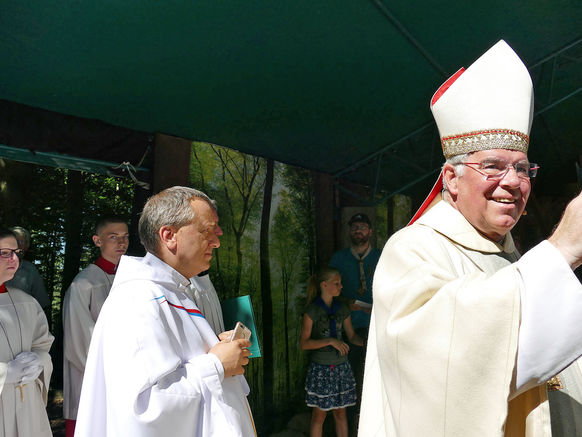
493,207
8,266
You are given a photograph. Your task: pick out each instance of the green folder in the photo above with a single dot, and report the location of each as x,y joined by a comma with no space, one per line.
240,309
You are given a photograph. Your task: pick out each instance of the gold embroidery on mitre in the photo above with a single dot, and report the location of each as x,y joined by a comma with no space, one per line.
484,140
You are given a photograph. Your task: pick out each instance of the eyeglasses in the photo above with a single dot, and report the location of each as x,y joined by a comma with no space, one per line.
496,170
362,227
7,253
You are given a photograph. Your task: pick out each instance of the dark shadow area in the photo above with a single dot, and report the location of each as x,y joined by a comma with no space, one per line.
566,414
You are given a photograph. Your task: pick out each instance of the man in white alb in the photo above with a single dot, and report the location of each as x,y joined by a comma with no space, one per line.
155,366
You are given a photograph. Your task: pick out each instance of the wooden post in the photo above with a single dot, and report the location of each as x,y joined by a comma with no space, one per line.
171,162
324,217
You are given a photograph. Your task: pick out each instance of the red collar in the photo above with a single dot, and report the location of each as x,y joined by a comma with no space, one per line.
3,288
107,266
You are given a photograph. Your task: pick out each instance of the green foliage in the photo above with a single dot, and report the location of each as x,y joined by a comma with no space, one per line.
235,181
402,211
103,196
37,199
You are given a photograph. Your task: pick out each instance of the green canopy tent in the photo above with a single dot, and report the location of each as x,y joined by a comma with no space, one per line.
340,87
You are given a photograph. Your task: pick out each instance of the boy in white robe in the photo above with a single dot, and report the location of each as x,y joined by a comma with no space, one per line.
81,307
155,366
25,363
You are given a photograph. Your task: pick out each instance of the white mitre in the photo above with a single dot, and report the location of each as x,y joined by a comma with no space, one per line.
487,106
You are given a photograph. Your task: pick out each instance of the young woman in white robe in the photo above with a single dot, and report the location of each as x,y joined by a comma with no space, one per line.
25,363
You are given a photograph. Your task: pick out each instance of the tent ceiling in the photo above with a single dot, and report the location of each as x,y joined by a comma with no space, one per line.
323,85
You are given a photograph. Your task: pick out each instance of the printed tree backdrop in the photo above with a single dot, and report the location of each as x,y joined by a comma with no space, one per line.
267,213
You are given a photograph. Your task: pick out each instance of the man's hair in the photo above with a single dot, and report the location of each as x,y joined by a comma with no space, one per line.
170,207
456,162
105,220
21,232
5,233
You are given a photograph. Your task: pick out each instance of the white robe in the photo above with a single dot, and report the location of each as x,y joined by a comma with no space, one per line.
461,338
148,372
24,415
206,299
81,307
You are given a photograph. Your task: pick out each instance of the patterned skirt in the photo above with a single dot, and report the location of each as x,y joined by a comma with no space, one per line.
330,387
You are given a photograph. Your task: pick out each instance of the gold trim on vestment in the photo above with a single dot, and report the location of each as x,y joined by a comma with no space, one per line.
554,384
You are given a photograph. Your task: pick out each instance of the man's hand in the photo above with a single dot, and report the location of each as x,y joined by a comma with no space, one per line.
568,234
233,355
225,336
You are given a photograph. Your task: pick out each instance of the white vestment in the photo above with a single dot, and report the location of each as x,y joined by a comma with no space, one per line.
206,299
23,409
81,306
149,372
461,341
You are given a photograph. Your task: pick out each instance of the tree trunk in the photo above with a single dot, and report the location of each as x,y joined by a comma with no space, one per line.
140,198
239,257
267,302
73,221
286,332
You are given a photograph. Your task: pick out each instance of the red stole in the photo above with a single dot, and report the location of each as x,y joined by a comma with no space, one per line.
107,266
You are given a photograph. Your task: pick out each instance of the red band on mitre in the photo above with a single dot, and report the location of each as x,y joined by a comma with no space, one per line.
436,190
445,86
438,185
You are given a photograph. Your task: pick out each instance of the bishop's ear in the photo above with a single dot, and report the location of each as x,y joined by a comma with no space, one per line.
450,179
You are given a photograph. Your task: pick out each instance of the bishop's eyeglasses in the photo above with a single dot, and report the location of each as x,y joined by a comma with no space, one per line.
7,253
496,170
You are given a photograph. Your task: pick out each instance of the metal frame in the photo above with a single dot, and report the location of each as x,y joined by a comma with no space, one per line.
58,160
377,197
